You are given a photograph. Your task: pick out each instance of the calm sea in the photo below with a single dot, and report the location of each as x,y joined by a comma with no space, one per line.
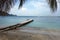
46,22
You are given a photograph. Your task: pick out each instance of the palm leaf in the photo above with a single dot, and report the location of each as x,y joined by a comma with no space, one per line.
21,3
5,5
53,4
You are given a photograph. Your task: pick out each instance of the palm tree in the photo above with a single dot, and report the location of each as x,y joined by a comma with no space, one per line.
5,5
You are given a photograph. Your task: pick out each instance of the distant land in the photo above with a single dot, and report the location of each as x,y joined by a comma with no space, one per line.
2,13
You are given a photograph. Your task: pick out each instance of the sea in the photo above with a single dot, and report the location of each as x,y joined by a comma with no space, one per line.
40,22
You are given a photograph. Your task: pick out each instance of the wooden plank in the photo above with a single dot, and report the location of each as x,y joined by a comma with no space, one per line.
16,25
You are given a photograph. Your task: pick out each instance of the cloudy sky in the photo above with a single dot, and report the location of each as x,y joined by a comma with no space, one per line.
34,8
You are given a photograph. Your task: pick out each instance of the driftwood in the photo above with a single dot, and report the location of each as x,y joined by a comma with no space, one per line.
16,25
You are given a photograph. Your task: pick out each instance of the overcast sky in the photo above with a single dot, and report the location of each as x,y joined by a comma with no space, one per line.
34,8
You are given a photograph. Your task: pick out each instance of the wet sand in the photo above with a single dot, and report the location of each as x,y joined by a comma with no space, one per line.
30,34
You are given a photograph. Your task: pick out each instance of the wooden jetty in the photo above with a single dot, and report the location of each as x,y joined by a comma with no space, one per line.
16,25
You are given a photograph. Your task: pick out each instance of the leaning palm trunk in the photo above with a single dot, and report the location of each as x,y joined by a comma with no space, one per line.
53,4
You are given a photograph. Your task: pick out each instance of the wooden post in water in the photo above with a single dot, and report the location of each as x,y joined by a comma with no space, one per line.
16,25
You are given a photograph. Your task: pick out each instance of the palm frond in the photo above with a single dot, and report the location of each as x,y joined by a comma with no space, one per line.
21,3
53,4
5,5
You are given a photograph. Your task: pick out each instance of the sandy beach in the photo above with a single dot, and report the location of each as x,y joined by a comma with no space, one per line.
30,34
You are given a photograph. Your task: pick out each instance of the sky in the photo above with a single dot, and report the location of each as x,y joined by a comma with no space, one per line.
34,8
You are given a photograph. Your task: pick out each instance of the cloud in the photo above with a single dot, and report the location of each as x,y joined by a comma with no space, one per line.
32,8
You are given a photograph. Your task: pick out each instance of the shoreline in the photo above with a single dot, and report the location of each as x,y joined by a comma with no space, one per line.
39,29
18,34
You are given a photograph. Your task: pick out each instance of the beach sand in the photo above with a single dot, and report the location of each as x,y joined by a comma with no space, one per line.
30,34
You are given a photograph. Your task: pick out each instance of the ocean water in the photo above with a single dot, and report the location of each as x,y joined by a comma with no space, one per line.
45,22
